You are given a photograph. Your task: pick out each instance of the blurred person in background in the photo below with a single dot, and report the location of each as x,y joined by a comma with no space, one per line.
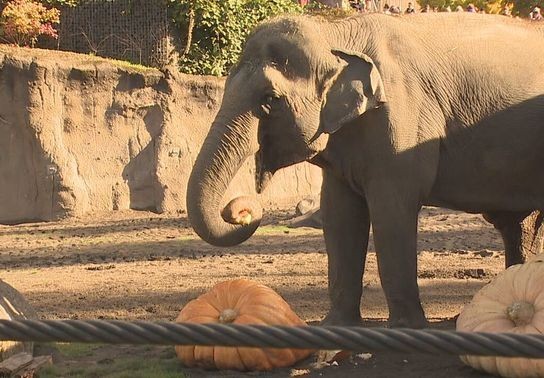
535,15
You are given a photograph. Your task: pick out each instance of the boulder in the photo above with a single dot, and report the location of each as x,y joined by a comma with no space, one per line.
306,205
14,306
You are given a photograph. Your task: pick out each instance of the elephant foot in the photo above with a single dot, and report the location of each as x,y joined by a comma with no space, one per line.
407,314
335,318
415,322
311,219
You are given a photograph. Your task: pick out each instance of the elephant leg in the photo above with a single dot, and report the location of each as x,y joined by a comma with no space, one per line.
346,228
394,224
532,231
521,232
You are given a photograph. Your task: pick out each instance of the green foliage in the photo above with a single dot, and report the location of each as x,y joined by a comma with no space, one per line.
60,3
440,4
522,8
87,360
319,9
75,350
47,3
216,30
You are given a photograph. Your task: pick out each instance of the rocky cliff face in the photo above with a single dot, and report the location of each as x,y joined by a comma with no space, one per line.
80,134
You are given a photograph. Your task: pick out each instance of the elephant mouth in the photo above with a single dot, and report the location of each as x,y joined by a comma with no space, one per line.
266,167
263,174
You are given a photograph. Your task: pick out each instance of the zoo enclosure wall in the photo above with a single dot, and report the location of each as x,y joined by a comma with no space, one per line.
80,134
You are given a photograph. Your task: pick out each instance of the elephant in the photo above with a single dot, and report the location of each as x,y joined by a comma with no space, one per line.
443,110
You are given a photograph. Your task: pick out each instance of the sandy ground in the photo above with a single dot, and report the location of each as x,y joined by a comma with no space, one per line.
137,265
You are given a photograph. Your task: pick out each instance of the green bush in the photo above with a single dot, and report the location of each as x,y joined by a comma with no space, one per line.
319,9
60,3
23,21
216,30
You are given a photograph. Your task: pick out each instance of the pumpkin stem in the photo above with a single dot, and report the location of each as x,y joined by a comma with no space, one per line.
228,316
521,313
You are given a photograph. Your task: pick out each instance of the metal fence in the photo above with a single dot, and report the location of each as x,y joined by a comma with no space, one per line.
312,337
133,30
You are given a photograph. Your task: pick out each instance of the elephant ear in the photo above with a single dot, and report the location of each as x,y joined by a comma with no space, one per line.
355,88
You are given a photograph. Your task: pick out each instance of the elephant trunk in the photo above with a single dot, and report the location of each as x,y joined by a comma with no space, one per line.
225,149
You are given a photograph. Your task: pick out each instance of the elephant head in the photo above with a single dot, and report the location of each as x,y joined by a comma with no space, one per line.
291,88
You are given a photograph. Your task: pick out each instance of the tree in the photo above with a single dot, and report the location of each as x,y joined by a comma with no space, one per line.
22,21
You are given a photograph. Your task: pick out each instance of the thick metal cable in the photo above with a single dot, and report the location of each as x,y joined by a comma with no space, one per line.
347,338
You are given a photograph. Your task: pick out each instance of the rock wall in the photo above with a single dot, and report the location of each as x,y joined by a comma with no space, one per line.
79,134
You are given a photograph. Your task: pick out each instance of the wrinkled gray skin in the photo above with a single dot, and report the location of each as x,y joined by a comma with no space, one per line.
437,109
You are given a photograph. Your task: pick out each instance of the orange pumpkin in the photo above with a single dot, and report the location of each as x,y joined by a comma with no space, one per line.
239,302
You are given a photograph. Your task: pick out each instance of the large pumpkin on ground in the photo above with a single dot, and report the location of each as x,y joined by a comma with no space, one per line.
512,302
239,302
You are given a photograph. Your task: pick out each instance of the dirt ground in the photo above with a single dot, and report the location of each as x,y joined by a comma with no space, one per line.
138,265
